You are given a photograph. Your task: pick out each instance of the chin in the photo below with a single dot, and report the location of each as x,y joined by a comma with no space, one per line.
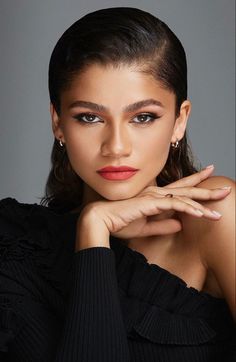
116,195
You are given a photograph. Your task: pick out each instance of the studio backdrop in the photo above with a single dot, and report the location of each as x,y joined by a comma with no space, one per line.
29,29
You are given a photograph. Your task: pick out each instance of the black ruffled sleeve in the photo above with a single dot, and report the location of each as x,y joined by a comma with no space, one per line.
92,327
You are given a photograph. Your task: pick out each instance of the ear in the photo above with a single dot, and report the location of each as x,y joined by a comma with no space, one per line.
181,121
56,124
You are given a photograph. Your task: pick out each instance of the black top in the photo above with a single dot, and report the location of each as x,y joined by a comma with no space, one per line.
98,304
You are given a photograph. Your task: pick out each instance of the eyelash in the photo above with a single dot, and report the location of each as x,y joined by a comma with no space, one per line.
79,117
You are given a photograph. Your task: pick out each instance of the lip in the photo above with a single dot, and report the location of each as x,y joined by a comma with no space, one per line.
117,169
118,175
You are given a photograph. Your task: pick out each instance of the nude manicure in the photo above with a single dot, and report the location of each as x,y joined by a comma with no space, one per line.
210,166
216,213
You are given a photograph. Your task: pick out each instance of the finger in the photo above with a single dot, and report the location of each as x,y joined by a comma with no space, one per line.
192,180
196,193
205,210
208,213
177,204
161,227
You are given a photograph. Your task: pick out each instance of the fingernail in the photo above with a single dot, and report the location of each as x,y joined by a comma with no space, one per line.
216,213
226,188
209,166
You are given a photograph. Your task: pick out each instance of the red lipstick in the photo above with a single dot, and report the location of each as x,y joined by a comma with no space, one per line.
117,173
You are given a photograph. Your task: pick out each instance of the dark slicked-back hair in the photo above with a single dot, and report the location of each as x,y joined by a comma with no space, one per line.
115,36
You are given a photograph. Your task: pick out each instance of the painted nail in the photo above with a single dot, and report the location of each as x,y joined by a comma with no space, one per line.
210,166
216,213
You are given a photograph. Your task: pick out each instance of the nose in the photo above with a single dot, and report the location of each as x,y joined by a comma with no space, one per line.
116,142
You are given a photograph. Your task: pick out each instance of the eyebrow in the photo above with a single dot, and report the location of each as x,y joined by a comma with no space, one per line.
130,108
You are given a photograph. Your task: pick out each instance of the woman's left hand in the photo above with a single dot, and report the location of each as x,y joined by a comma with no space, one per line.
185,189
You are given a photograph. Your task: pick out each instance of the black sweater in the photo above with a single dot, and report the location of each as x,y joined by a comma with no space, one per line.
99,304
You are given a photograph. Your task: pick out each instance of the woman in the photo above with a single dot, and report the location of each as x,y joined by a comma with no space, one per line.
129,257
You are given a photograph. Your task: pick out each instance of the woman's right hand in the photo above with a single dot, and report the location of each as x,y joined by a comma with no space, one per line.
132,218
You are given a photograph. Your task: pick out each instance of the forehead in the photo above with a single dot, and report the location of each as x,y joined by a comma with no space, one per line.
121,84
97,73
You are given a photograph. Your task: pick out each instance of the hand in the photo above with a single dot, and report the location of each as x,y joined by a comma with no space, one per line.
192,180
135,217
185,187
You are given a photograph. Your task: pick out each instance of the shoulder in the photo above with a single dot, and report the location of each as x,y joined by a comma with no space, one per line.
218,234
216,238
24,215
15,216
18,228
225,206
12,215
26,228
222,228
34,240
217,182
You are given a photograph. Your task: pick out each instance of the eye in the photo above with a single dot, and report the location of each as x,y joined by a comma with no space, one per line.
86,118
90,118
144,118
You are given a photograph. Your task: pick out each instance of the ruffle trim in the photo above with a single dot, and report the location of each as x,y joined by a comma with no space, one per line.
34,232
162,327
159,326
159,307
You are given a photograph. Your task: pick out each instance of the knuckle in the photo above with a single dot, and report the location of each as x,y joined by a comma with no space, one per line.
151,190
151,196
180,205
171,201
182,198
185,204
208,193
147,196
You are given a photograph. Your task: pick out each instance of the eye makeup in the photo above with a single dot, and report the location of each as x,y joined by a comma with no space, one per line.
149,117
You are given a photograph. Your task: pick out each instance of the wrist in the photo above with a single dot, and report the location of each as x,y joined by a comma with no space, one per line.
91,232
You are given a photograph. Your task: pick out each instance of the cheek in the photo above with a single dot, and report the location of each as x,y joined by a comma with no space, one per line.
155,144
154,152
79,150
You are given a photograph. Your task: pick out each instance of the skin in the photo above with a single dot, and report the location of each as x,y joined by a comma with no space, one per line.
214,242
117,140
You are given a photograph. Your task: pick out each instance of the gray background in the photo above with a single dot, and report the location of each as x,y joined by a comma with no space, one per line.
28,33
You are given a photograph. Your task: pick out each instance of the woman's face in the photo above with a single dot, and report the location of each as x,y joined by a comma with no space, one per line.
117,117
